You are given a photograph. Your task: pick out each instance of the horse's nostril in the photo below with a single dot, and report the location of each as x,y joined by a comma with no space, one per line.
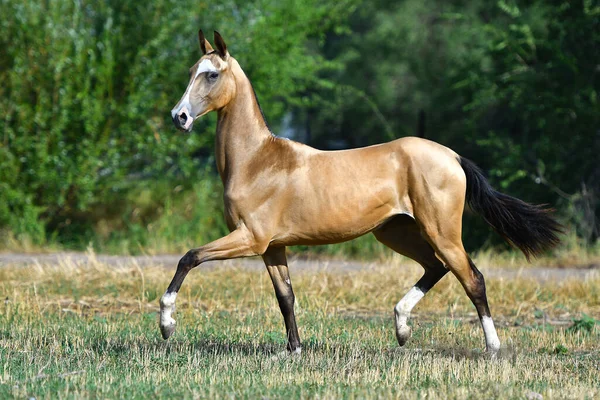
183,117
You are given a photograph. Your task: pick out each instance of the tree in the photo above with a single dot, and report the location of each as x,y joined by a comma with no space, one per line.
87,89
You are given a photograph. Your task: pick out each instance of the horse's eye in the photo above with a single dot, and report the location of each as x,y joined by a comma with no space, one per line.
212,75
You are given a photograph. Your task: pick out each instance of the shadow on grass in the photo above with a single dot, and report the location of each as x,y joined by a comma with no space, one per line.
219,347
202,346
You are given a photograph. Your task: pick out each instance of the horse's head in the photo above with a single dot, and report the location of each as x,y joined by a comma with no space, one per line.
211,86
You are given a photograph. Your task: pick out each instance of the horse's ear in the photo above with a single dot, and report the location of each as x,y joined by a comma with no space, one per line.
204,45
221,46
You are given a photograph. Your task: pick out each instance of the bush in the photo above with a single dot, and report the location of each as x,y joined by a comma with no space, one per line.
86,93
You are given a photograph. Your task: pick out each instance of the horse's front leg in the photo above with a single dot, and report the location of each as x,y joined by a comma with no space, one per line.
239,243
276,263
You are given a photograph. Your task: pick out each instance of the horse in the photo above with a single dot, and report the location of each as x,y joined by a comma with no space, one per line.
410,193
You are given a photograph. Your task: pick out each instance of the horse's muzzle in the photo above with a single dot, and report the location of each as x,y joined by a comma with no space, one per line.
183,120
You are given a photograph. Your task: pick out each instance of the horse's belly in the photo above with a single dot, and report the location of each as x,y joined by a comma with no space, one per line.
336,217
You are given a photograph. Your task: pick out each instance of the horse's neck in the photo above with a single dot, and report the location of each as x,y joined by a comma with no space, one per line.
241,130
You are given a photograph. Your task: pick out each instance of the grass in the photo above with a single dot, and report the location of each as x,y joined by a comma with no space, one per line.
73,331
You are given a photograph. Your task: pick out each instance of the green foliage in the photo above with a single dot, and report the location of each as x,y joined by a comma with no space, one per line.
86,94
510,84
86,136
17,210
162,219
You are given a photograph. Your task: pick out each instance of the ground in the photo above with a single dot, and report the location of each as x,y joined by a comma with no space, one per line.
86,326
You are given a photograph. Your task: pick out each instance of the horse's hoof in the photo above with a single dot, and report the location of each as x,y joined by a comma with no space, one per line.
492,351
168,329
403,334
282,355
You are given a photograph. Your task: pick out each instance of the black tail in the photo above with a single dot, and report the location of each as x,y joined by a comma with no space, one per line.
529,227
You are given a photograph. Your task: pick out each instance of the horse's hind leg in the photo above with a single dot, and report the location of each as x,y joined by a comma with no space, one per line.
442,228
402,235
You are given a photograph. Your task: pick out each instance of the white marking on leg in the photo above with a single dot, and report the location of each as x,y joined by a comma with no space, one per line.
402,312
492,343
288,282
167,306
405,306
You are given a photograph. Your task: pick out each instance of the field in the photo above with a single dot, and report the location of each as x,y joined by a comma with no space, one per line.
69,330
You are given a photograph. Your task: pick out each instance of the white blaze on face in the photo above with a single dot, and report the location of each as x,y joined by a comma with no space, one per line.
184,104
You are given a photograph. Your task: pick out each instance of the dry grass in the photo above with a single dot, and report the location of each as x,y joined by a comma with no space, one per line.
91,331
563,257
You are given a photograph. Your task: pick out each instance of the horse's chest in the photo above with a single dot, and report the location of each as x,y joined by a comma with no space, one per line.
232,209
252,204
238,204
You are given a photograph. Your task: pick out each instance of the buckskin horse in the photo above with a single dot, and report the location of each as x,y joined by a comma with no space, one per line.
410,193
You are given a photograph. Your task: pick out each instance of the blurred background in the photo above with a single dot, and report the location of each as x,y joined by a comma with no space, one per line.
89,155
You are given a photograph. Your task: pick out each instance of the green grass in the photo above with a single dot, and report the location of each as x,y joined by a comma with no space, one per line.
73,332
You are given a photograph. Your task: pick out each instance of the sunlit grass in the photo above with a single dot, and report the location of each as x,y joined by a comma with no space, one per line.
91,331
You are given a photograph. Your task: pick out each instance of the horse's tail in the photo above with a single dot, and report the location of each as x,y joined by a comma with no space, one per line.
531,228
